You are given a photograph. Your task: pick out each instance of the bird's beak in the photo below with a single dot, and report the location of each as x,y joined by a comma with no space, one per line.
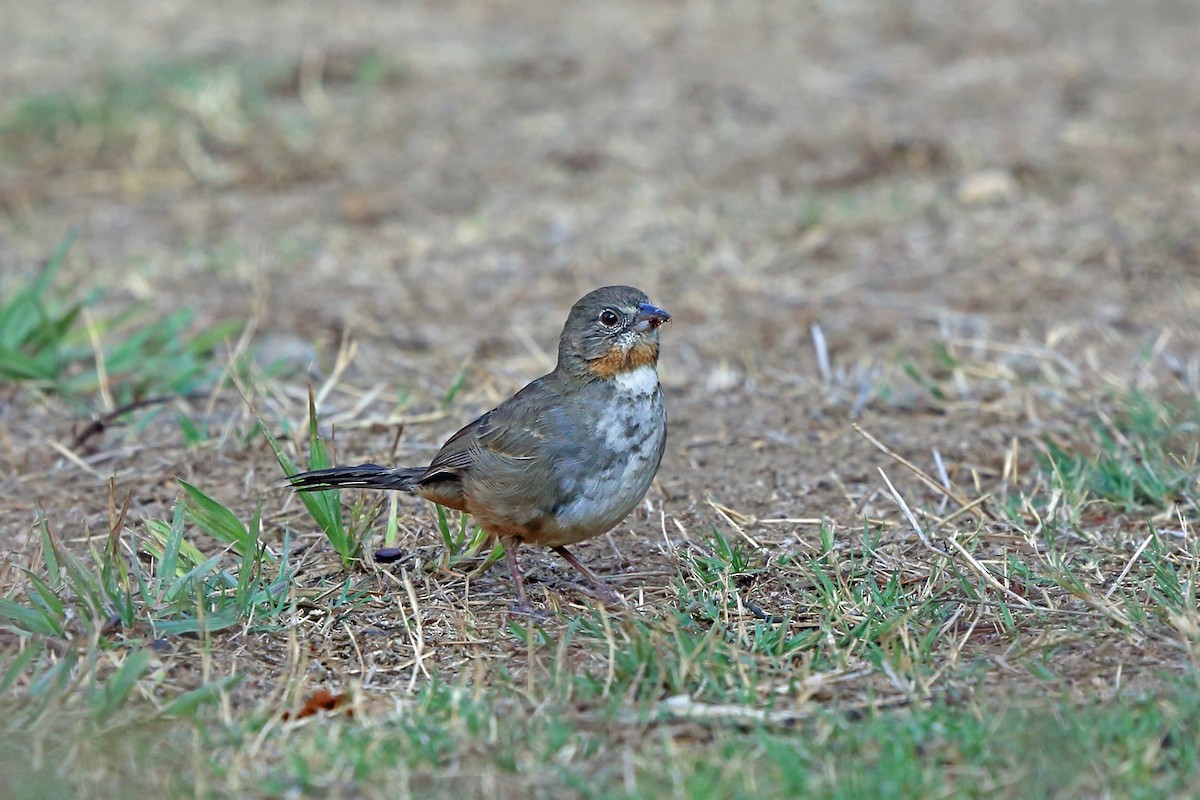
649,317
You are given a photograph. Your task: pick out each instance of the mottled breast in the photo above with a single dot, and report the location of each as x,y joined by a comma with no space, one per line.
627,432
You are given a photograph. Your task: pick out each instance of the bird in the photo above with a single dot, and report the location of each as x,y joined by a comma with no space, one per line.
563,460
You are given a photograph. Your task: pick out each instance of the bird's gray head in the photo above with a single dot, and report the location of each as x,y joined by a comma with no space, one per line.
611,330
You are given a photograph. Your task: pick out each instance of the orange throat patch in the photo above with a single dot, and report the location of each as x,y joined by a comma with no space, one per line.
618,360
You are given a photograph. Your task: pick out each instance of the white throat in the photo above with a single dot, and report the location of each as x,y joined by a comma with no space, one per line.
638,381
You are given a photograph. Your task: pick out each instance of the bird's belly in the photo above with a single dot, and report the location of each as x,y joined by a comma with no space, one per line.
629,445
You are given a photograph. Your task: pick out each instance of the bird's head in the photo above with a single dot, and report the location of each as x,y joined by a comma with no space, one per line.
611,330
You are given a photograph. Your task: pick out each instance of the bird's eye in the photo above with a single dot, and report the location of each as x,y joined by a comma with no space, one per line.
609,318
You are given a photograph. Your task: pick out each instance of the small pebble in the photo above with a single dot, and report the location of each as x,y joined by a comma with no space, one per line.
988,187
723,378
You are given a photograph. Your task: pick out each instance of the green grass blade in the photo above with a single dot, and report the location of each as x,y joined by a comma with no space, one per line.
56,677
251,565
392,532
194,577
189,555
188,703
49,546
121,683
23,619
444,529
211,623
46,277
18,366
204,341
18,663
215,519
324,507
455,387
169,562
45,597
25,313
84,585
285,461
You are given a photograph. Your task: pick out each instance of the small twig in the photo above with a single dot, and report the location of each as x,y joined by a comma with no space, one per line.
756,610
362,663
101,424
396,440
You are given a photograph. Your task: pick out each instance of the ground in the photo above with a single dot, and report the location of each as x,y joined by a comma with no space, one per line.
924,522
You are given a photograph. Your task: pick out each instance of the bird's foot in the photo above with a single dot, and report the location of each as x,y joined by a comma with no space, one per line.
598,591
521,608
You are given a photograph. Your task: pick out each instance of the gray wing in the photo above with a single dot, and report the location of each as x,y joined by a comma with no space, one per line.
511,434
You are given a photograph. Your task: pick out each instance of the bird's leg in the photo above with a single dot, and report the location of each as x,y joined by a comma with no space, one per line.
510,555
607,593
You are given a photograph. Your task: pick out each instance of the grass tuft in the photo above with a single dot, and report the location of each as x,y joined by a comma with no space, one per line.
54,341
1142,455
325,507
113,598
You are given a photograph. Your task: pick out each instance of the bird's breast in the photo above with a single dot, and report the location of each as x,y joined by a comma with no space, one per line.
626,437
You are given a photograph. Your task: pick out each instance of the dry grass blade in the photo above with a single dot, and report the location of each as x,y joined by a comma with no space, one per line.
735,520
946,491
75,458
969,559
1141,548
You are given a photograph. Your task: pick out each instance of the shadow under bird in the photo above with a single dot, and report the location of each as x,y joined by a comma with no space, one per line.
563,460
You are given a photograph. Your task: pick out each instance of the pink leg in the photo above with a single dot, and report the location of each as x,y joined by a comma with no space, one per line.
510,556
607,594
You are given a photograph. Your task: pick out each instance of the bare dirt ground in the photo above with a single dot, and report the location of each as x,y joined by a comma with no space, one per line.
990,210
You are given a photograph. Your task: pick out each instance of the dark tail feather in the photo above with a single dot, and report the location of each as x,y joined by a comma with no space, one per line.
364,476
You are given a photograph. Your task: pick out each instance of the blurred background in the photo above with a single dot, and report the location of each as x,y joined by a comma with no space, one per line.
971,226
441,180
